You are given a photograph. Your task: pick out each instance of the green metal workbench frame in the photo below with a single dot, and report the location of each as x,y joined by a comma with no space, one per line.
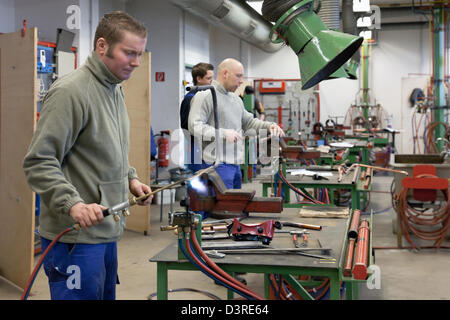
308,183
288,272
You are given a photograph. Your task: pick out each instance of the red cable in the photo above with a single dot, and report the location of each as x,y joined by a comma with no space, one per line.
38,265
216,275
214,266
409,217
298,191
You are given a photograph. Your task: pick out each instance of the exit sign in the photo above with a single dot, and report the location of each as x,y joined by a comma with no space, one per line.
160,76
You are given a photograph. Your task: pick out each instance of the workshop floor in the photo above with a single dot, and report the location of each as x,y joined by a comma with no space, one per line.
404,274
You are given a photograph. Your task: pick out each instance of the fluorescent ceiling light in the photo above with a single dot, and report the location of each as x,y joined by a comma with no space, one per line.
361,5
256,5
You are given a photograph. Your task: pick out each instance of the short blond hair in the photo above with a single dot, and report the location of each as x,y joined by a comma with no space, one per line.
113,24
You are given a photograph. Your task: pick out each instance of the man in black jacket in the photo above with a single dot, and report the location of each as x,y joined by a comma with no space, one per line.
202,75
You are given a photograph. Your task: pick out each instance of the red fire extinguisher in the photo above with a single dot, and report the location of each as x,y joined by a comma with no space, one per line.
163,149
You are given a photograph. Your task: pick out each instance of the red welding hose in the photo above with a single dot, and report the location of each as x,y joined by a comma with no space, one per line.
38,265
411,219
220,272
217,276
298,191
283,295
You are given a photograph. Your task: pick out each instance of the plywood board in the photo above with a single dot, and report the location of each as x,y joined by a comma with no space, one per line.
18,118
137,99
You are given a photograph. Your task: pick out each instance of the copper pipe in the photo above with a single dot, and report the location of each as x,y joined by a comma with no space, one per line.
383,169
349,258
362,251
301,225
353,230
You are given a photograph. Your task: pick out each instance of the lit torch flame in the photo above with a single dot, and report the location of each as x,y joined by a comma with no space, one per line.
198,185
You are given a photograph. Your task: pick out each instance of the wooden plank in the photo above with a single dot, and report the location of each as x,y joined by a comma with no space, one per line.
137,99
18,118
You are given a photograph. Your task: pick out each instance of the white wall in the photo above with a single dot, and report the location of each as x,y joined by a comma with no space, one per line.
164,26
195,39
223,45
7,16
89,20
48,15
163,21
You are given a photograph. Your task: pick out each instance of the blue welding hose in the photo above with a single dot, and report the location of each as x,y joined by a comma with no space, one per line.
203,269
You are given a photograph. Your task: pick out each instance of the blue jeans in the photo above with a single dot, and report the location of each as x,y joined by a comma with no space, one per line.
231,175
81,271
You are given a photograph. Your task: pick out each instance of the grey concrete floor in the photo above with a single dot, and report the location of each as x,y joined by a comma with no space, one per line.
404,274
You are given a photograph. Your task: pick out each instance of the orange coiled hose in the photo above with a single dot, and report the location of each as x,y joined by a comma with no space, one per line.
425,225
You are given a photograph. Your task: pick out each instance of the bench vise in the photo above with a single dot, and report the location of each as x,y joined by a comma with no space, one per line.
220,199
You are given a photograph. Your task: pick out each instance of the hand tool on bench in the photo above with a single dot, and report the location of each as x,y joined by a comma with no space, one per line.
301,225
298,251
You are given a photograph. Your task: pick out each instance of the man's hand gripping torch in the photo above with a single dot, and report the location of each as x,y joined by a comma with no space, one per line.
122,208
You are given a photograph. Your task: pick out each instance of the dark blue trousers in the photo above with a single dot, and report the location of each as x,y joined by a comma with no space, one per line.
81,271
231,175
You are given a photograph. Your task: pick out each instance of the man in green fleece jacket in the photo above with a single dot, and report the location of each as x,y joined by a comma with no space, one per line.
78,163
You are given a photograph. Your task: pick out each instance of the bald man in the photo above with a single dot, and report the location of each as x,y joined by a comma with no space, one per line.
234,123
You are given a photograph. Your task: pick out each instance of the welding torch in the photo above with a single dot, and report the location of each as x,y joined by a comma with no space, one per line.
123,206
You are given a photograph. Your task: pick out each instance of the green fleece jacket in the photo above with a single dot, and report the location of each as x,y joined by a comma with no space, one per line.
79,152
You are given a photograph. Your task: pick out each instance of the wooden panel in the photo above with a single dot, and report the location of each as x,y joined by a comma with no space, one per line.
18,117
137,99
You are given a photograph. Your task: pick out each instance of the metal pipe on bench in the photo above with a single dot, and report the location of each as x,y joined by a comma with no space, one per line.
359,270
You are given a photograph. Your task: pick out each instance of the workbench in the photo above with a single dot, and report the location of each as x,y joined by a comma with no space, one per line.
333,235
302,182
359,153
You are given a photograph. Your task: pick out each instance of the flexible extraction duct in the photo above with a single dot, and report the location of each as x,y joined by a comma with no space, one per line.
348,17
329,14
235,17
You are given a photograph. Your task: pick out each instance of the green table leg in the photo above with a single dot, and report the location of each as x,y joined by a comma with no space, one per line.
244,167
161,281
287,191
265,187
365,156
356,291
356,200
266,286
349,290
335,287
364,198
297,287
